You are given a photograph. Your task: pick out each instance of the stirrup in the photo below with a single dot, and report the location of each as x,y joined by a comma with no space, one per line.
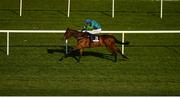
96,40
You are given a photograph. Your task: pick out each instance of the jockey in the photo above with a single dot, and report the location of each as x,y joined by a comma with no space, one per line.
92,27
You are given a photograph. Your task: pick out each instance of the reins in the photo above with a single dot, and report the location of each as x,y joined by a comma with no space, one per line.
78,37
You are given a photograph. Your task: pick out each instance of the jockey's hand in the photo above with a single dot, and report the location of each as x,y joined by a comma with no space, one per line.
84,27
83,30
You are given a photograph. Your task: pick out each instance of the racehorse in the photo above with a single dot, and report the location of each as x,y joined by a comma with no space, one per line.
83,41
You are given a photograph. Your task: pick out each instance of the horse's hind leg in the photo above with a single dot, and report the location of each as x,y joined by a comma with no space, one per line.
119,51
113,52
115,57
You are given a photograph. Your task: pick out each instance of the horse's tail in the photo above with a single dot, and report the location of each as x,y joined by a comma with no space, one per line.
120,42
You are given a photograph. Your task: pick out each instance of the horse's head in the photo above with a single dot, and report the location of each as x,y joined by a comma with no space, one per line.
68,33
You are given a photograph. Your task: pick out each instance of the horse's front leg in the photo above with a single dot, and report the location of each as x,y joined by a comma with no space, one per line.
64,56
76,51
70,53
80,54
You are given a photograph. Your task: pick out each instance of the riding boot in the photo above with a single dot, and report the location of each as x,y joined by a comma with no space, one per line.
92,37
95,38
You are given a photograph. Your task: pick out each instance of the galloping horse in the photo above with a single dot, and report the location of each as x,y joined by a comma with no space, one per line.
83,41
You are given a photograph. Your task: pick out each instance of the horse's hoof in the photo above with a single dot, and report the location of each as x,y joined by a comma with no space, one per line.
125,57
115,61
66,55
61,59
78,62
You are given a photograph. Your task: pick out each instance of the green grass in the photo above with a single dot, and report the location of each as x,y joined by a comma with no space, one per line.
129,15
153,67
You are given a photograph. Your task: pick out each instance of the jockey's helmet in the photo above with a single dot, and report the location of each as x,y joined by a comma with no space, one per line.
87,21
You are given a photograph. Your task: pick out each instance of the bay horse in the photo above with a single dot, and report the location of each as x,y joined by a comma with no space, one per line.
84,41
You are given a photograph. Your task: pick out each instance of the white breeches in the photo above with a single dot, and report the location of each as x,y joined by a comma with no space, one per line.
95,31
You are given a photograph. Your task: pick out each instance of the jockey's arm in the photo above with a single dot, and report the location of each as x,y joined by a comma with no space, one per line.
88,27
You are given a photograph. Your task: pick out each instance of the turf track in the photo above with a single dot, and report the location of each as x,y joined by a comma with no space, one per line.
33,67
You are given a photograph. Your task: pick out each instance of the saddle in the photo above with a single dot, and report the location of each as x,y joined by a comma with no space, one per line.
93,37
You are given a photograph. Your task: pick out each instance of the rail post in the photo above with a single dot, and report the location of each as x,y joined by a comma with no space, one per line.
69,7
123,43
20,7
112,8
161,9
66,46
7,43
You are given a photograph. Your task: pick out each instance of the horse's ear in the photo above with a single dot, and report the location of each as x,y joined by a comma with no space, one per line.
67,29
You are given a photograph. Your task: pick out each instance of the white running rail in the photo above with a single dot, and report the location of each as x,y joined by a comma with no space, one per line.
63,31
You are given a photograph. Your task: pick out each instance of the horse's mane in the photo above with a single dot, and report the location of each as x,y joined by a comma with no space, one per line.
76,33
72,30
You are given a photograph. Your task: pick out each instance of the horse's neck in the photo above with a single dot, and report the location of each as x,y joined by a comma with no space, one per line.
76,34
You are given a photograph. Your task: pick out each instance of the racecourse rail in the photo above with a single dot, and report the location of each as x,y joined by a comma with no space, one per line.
63,31
113,7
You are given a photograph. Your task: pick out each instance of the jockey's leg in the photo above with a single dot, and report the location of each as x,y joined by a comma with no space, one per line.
90,35
96,35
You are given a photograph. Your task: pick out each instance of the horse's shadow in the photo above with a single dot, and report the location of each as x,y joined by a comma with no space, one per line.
75,55
52,51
